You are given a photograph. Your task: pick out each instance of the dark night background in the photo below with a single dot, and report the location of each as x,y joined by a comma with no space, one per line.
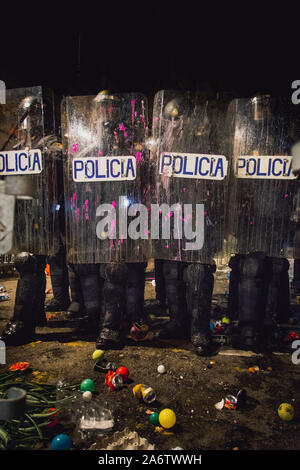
153,48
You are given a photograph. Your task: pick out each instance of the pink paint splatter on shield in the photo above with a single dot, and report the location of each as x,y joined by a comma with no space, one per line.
133,113
122,127
75,147
138,156
100,152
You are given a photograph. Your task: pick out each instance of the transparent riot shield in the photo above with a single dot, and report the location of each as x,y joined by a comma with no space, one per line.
29,170
264,192
188,154
106,178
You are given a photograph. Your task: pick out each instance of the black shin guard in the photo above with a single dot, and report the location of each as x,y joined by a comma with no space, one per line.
29,301
176,298
251,298
76,308
160,288
234,280
30,294
91,288
115,278
278,295
135,288
296,278
199,285
59,280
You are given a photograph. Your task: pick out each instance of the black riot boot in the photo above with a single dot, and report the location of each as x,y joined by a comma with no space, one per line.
76,308
114,288
29,301
91,288
234,280
135,288
199,288
176,297
160,288
252,297
59,282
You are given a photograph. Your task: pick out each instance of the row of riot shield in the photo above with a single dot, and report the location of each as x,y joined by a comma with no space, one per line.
214,177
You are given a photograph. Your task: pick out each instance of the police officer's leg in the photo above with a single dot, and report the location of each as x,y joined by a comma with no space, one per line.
114,288
296,256
278,295
296,278
59,282
252,297
76,308
235,265
160,289
40,290
29,301
175,293
135,288
199,283
91,287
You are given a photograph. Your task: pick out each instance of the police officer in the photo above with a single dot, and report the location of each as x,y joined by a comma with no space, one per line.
31,152
263,194
191,167
105,175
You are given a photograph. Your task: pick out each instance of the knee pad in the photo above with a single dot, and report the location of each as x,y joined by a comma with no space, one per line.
173,270
136,274
253,266
24,262
278,265
87,269
196,273
115,273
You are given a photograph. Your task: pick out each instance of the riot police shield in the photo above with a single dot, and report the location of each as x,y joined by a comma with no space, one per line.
106,178
264,192
188,153
29,170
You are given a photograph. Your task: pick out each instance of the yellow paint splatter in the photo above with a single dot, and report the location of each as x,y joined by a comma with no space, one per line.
34,343
41,377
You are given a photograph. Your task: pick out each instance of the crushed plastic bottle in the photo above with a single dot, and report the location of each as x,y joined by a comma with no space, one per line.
68,401
95,418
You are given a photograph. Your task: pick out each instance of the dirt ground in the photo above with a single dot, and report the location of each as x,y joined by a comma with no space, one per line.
190,387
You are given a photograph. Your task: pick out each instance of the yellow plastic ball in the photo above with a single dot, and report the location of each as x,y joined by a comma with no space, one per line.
286,412
167,418
98,354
